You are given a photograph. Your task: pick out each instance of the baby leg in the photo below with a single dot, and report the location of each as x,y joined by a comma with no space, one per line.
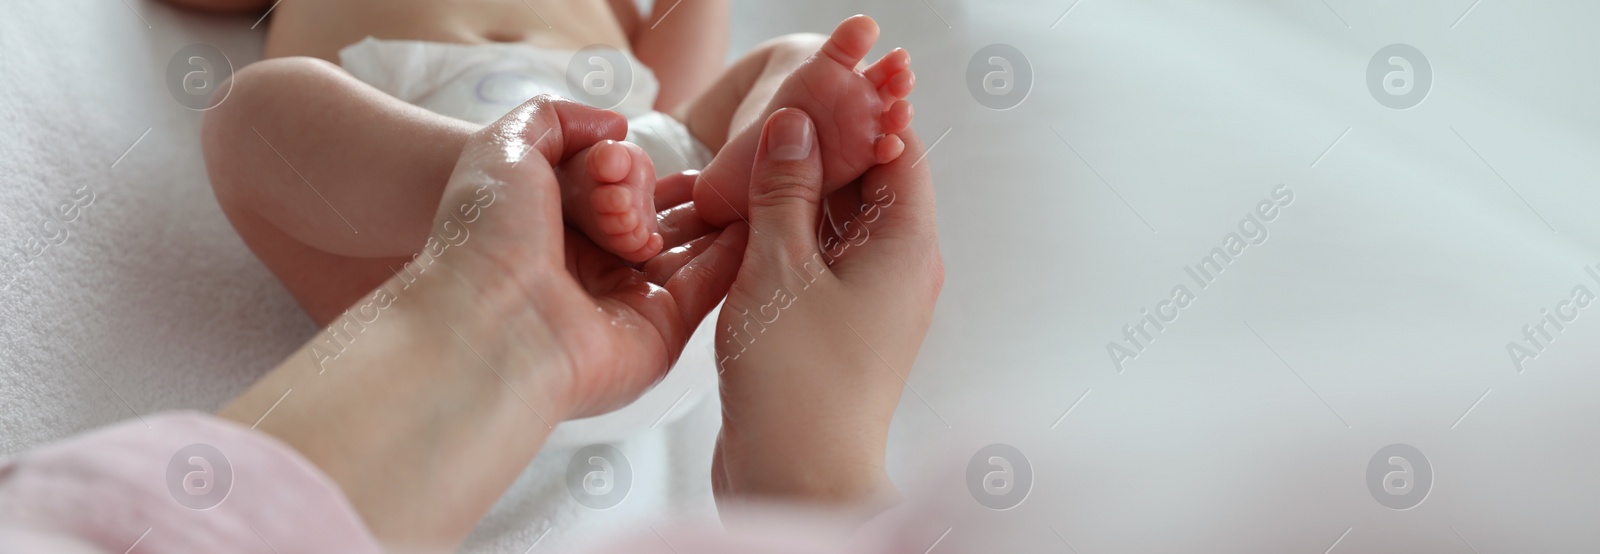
332,183
735,101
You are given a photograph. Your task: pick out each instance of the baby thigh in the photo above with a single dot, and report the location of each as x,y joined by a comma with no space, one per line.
331,183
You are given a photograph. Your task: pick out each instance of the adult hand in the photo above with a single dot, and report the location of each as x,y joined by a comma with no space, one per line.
432,395
823,323
619,327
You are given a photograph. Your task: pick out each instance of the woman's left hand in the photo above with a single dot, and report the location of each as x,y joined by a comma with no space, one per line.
832,302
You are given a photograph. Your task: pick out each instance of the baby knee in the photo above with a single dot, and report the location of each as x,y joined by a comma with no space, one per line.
270,76
261,84
261,91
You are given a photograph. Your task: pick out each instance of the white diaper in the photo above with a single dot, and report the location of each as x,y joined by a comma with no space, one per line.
482,82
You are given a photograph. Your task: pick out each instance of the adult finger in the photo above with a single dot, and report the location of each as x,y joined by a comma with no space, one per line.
675,189
506,169
669,312
669,261
701,283
681,224
552,127
786,188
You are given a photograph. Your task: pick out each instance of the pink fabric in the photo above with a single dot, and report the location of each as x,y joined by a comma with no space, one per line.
115,490
121,490
781,530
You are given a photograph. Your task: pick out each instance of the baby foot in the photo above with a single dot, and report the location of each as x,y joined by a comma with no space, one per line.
607,192
857,114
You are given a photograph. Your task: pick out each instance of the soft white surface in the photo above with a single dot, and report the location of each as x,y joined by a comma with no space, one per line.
1390,286
164,303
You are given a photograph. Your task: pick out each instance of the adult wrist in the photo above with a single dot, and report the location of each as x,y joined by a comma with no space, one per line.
427,414
505,334
784,465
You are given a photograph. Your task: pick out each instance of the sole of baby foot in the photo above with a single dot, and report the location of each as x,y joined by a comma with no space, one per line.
858,115
607,191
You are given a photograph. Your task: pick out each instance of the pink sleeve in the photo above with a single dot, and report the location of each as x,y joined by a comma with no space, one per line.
176,482
780,529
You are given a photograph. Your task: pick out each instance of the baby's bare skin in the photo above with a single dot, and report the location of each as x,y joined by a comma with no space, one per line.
332,183
320,28
679,49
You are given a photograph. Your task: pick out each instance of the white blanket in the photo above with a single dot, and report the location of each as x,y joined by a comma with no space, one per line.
1418,246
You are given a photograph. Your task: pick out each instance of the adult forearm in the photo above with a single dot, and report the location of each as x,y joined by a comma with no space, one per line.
424,418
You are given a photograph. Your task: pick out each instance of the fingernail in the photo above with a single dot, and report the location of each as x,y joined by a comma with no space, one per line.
789,136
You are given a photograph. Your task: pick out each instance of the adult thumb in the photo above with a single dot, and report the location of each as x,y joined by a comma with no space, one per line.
786,186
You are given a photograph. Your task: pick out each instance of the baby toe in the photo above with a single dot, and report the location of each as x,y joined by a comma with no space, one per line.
888,148
851,41
894,62
609,162
634,245
899,85
652,245
612,199
618,223
898,117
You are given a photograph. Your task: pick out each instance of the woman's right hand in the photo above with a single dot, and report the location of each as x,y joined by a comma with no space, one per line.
823,323
450,376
